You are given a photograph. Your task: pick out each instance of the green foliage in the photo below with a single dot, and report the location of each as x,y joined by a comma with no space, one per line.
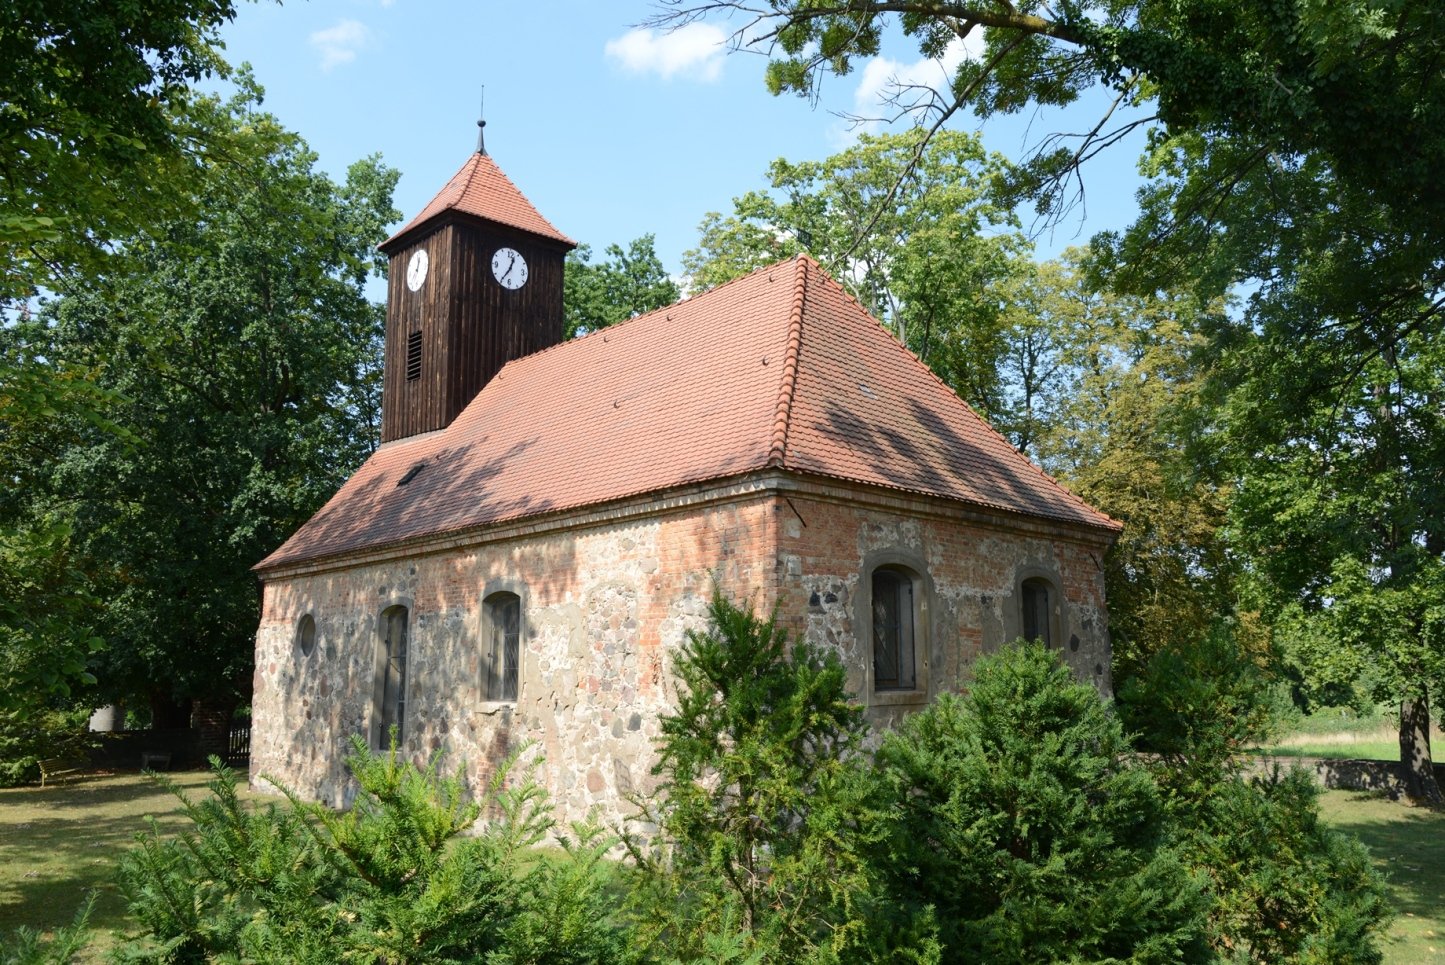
1196,706
1022,821
1286,888
1111,407
32,730
240,363
47,611
27,947
393,879
626,284
90,98
756,854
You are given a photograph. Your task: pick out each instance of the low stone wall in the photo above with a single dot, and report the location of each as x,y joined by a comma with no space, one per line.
1342,775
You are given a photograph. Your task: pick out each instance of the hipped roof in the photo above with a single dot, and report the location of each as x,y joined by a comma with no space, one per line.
481,189
781,369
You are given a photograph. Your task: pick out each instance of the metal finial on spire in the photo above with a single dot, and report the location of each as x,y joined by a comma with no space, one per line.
482,124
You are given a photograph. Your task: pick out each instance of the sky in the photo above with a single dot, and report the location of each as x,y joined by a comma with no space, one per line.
610,129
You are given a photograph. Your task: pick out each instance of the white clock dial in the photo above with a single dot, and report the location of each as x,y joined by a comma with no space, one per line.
509,268
416,269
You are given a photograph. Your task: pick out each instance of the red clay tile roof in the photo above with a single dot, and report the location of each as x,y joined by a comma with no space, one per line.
781,368
481,189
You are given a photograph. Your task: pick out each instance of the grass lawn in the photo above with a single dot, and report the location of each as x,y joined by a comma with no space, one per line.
1342,734
57,843
1408,845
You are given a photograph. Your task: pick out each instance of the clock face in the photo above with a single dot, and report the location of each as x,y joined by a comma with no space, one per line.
416,269
509,268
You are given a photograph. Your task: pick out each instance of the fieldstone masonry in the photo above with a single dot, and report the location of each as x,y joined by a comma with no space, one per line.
607,598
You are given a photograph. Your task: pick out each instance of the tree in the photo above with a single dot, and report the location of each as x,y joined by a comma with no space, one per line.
243,351
91,129
1284,887
1339,514
758,842
1119,419
626,284
1293,150
926,256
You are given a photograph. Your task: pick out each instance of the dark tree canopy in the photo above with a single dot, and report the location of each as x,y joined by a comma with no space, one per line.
242,357
92,134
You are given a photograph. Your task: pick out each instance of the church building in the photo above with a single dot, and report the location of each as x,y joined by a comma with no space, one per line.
544,520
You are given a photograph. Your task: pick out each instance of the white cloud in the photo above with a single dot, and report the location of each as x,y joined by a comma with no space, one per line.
340,44
881,77
695,51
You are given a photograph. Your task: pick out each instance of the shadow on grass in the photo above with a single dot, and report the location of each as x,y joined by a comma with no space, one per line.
59,843
1409,846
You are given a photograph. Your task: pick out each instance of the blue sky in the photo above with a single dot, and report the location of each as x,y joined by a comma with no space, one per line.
611,131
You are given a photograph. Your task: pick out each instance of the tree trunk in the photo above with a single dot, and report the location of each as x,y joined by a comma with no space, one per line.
1415,762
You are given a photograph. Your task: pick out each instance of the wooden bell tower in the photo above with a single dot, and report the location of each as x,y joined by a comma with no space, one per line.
475,281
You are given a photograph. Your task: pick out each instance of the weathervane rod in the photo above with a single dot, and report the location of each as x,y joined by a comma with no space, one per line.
482,123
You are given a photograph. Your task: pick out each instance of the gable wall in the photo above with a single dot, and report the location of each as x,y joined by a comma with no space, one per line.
971,572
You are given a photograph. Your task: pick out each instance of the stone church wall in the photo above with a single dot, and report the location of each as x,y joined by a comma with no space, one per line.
605,608
969,578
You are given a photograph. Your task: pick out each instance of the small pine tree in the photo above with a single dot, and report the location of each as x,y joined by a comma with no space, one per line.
25,946
1021,820
1283,887
758,829
391,880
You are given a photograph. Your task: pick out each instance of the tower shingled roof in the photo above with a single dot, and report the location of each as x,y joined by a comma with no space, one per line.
480,189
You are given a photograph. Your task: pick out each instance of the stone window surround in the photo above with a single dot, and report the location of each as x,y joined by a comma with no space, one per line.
912,562
378,740
524,633
1058,614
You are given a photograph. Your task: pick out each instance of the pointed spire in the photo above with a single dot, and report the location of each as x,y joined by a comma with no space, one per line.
482,123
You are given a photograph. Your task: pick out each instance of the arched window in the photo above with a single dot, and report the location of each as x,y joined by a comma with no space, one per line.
503,627
895,641
306,636
391,675
1038,611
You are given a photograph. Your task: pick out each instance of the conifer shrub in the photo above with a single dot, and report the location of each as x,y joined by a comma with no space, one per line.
26,946
1023,822
753,851
393,879
1283,887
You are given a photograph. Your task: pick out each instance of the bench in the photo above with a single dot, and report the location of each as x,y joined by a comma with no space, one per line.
53,769
155,760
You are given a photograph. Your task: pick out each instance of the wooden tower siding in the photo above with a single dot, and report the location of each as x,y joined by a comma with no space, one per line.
471,326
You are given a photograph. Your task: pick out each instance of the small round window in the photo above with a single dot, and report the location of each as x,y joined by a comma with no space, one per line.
306,635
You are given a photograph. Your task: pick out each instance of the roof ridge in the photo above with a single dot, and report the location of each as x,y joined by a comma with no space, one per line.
1068,493
471,167
789,381
772,266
